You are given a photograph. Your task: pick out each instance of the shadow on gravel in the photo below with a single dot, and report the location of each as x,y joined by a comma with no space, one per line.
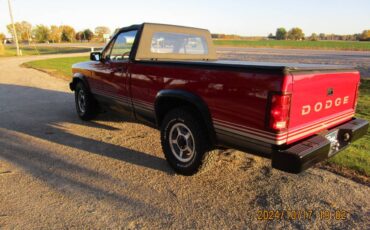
37,112
66,177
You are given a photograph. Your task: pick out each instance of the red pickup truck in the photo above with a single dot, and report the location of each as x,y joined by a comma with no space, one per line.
169,77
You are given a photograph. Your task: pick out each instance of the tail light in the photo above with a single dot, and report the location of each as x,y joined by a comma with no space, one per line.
279,112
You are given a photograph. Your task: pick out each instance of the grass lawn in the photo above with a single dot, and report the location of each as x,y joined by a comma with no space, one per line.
29,50
327,45
60,67
357,157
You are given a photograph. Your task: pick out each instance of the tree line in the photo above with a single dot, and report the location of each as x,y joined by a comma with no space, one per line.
297,34
26,32
236,37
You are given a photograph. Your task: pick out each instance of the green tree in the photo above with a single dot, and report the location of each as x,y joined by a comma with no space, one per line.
55,34
322,36
365,36
79,36
296,34
23,29
85,35
281,34
88,34
314,37
68,33
357,37
41,33
100,31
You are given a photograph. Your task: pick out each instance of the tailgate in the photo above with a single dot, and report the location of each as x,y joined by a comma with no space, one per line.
321,100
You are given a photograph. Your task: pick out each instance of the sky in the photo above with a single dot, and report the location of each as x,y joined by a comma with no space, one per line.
243,17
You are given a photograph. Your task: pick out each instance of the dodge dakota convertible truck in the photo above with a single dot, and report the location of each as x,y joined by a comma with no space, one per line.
169,77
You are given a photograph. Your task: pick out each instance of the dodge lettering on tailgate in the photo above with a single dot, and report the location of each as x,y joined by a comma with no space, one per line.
327,105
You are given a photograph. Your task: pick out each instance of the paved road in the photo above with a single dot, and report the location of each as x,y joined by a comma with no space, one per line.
59,172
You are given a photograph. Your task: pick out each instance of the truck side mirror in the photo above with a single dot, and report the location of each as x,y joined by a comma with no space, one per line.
95,56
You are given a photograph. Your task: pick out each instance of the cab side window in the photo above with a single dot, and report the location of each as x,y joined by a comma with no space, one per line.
121,48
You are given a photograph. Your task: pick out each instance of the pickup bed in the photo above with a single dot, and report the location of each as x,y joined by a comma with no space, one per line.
169,78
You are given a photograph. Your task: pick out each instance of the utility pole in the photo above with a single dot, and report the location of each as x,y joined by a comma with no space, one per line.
14,30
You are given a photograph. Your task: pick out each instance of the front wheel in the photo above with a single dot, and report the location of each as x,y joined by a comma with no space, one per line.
86,106
184,141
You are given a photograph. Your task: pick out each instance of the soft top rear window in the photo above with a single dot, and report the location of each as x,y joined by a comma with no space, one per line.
168,42
177,43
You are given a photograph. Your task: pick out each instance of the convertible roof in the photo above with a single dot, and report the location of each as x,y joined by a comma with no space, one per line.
132,27
144,51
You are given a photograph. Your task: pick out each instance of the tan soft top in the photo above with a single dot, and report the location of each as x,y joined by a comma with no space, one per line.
145,48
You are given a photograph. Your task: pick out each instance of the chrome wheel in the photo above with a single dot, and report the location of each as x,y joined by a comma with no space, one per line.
182,142
81,100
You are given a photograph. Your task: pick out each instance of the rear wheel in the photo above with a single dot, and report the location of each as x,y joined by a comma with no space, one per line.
184,140
86,106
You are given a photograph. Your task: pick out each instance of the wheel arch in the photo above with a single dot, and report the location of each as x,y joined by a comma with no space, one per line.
169,99
78,77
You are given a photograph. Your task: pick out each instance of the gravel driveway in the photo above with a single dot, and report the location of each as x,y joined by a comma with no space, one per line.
59,172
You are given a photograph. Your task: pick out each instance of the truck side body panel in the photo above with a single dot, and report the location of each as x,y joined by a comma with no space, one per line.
236,99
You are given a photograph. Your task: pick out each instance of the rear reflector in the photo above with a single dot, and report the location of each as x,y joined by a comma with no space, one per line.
279,112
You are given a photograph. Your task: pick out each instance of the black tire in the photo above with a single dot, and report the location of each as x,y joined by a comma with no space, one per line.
176,126
86,108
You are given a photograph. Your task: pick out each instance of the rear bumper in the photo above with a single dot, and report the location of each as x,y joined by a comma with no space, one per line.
307,153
